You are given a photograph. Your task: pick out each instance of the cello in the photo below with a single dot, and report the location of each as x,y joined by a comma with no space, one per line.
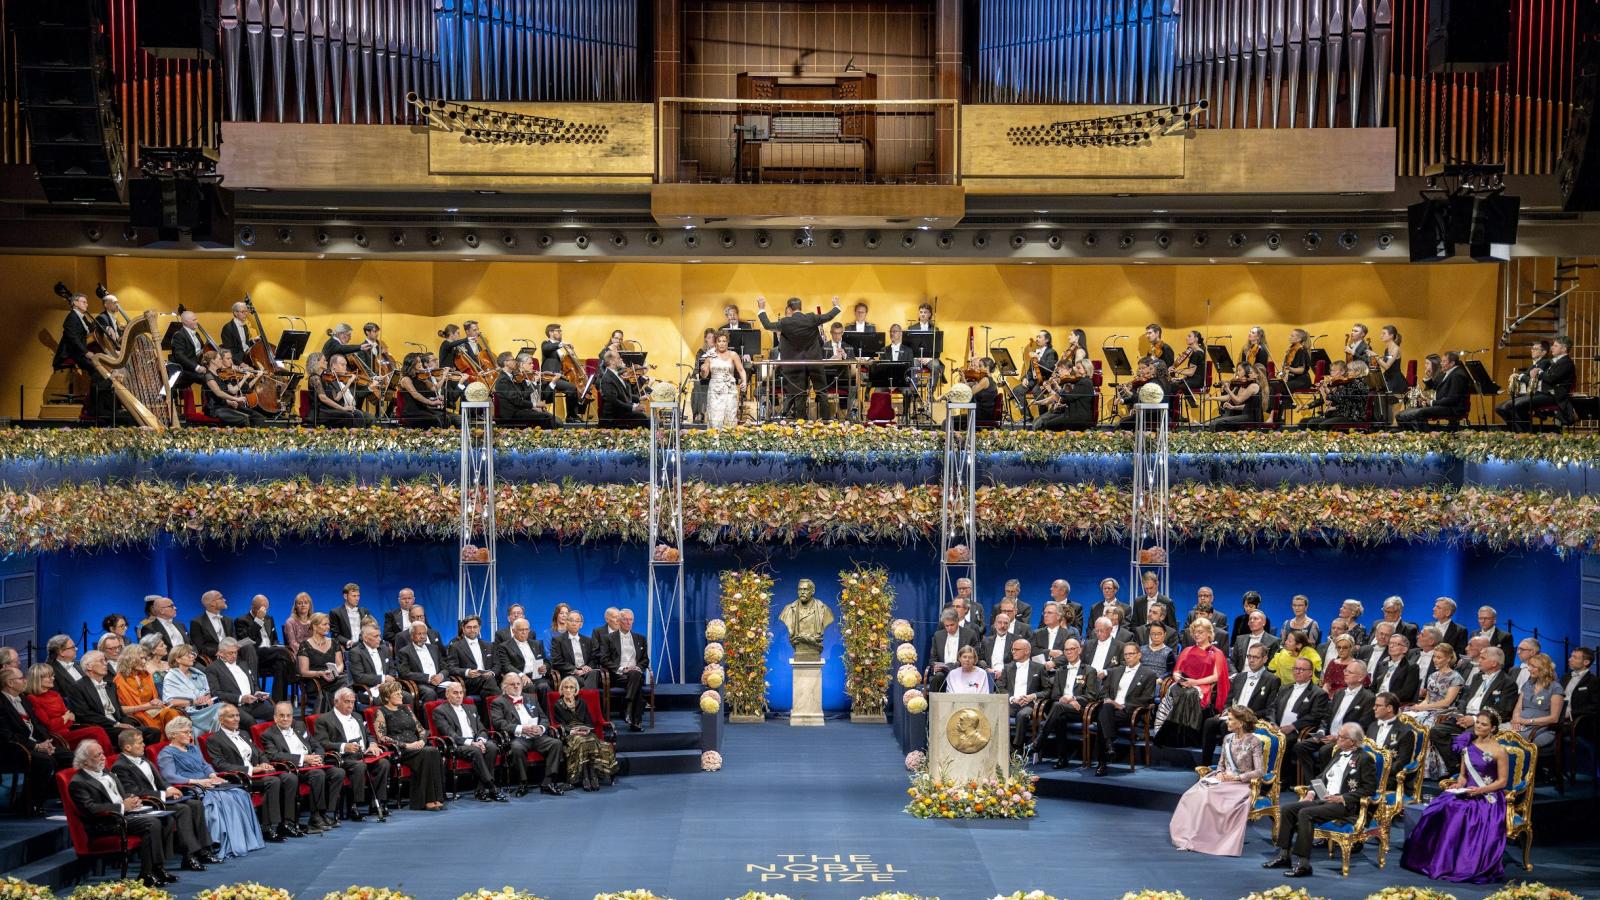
267,395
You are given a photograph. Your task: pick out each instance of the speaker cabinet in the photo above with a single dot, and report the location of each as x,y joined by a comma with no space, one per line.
178,29
73,134
1468,35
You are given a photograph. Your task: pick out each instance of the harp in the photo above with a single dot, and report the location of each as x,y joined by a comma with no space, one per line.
138,375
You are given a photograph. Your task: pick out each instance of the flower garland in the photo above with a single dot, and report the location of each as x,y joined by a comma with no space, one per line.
635,894
1008,795
1149,894
126,889
1025,895
506,893
1282,892
822,441
747,608
85,516
17,889
1410,893
246,890
1532,890
865,603
363,892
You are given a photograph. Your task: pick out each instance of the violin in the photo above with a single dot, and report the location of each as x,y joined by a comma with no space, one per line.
1240,380
1288,358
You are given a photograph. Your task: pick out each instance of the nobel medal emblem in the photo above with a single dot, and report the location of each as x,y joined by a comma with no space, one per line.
968,730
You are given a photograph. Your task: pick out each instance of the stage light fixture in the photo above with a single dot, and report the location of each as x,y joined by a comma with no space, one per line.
1125,241
1347,240
435,239
1163,240
980,240
763,240
1312,240
1385,238
727,240
1090,239
1236,239
691,240
836,239
945,239
129,233
323,238
1018,241
1054,241
803,239
653,238
470,239
1202,238
545,241
908,240
1274,240
619,240
285,236
359,237
872,240
508,240
247,235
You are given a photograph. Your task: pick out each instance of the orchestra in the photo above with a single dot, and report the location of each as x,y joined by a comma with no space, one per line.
240,381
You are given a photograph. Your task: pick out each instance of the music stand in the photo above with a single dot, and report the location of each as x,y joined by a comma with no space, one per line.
1117,361
890,375
1482,384
632,357
1221,359
864,344
291,345
924,344
166,338
1319,355
1003,363
744,341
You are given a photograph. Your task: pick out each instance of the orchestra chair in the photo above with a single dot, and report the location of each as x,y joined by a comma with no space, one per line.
305,407
99,846
1412,773
1411,372
880,408
1264,791
1319,371
454,762
1272,370
1544,412
193,412
1373,816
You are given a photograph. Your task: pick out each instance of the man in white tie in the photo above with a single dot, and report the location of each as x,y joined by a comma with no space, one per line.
345,621
232,751
1103,650
469,740
470,660
187,347
628,659
1347,781
1491,687
370,665
344,736
61,652
575,654
1073,687
514,713
105,810
421,662
273,659
287,742
138,777
1128,688
1022,681
231,681
944,648
860,325
1255,687
525,655
163,615
1387,732
1353,703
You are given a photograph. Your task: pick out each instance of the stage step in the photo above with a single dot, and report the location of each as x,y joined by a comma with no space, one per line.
672,731
58,870
24,840
677,697
659,762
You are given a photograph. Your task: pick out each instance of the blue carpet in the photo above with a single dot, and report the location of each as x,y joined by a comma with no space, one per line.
798,797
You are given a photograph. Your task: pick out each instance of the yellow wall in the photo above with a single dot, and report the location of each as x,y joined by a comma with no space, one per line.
1435,307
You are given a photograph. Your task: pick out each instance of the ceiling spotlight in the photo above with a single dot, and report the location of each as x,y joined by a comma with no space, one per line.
727,239
691,240
908,240
247,235
1090,239
323,237
1312,240
618,239
1054,240
836,239
1236,239
1163,240
763,240
434,238
871,240
980,240
1385,238
1018,241
1201,238
653,238
546,240
285,235
945,239
1125,241
1347,240
129,232
360,238
1274,240
581,241
396,237
508,240
470,239
803,238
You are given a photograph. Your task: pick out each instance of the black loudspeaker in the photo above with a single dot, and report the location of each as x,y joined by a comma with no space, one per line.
174,206
1483,223
73,134
1578,170
1428,223
178,29
1468,35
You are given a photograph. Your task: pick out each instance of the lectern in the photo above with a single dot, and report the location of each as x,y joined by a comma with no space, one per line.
969,735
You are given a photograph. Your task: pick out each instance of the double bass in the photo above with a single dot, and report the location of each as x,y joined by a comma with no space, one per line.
267,396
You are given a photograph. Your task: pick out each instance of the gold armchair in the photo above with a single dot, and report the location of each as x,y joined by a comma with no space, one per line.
1264,791
1413,772
1522,757
1372,816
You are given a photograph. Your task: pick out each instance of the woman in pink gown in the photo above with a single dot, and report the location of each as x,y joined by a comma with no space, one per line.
1212,815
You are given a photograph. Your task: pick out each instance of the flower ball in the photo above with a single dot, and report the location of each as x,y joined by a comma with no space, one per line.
712,676
959,393
916,704
908,676
905,653
664,392
477,392
469,553
1151,393
958,554
713,653
902,630
716,630
710,702
915,759
710,761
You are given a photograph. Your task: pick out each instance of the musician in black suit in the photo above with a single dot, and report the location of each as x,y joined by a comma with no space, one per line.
523,654
798,339
572,653
230,749
236,334
138,777
421,662
944,647
76,331
1039,365
553,350
627,658
185,351
1451,396
470,660
272,657
344,623
233,681
860,325
1348,780
104,809
1398,671
288,743
1491,688
338,343
520,402
523,720
344,735
1073,687
1352,703
1022,683
110,323
1067,402
1254,686
469,740
370,665
1125,689
1555,389
619,408
22,729
1301,708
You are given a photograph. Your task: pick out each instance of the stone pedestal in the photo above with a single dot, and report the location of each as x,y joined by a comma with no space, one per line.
807,706
868,718
976,744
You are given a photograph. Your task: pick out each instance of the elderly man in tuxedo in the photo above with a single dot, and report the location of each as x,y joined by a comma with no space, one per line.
1491,687
104,809
524,654
233,681
163,615
421,662
207,630
575,654
514,713
1073,687
944,647
231,750
397,622
260,631
1302,708
139,777
1348,779
469,740
370,664
469,659
627,658
288,743
1352,703
1126,688
1022,683
344,736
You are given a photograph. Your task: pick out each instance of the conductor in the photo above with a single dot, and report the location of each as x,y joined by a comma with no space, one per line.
798,338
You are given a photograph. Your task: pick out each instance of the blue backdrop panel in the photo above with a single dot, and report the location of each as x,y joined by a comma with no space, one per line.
1535,589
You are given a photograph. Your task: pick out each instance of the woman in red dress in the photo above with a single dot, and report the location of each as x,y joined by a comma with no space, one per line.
49,708
1203,666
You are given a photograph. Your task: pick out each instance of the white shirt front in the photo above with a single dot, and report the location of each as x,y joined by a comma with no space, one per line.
352,614
477,656
1129,676
216,624
524,717
952,648
266,633
1289,714
461,719
174,636
109,783
1344,707
531,665
1388,676
1251,679
1069,683
143,765
1572,687
628,655
1476,703
997,653
1102,649
1380,732
352,728
425,660
239,743
1334,777
240,678
576,642
377,664
1019,682
293,742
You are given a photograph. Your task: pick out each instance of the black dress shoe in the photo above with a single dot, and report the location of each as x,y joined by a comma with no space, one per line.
635,726
1102,769
272,836
554,790
355,817
152,881
291,829
500,796
1301,871
520,790
1281,861
191,864
1061,763
167,877
484,797
209,858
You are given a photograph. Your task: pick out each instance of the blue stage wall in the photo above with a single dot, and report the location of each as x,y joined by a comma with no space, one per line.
1536,589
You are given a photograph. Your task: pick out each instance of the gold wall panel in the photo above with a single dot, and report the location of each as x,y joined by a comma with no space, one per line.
986,151
628,148
799,205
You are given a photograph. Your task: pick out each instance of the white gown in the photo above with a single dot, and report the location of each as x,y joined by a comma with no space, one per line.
722,395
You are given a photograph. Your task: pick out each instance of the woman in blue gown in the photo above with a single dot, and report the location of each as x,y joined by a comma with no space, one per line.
229,813
187,685
1461,836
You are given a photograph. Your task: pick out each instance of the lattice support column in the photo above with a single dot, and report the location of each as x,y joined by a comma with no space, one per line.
478,554
1148,520
958,501
664,612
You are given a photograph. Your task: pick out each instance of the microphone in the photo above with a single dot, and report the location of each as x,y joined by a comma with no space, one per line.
1006,338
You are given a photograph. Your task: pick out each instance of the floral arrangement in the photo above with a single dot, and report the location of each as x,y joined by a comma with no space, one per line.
916,702
713,653
905,653
505,893
126,889
760,895
908,676
363,892
710,702
89,516
710,761
17,889
716,630
865,601
1410,893
747,606
245,890
635,894
915,760
902,630
712,675
1532,890
1282,892
1007,795
1148,894
898,895
1026,895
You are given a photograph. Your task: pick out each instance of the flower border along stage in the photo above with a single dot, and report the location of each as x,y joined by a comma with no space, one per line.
865,603
1006,795
747,610
92,516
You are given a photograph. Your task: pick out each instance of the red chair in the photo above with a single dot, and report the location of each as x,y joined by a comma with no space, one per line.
880,408
399,404
400,774
98,845
1320,370
454,762
243,780
305,406
1411,372
591,698
193,413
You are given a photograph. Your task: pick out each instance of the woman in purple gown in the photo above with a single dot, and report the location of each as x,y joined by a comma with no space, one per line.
1461,836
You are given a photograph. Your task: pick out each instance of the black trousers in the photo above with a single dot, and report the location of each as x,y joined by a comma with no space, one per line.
1058,718
251,713
1109,719
1440,736
632,684
1518,413
799,379
360,771
1074,413
1415,419
566,389
1230,422
276,662
1021,393
482,759
1021,724
340,418
189,825
235,416
418,416
280,794
42,767
324,785
155,835
546,745
537,418
589,682
1301,819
